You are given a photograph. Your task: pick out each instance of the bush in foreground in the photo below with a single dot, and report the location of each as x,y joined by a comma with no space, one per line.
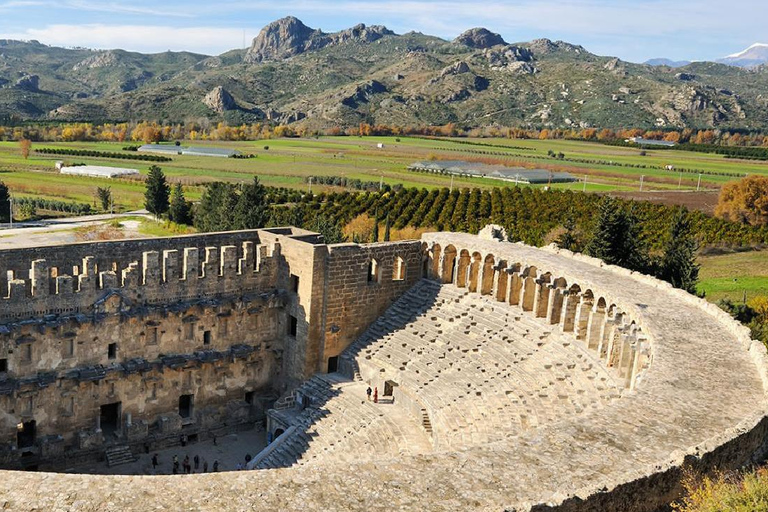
725,492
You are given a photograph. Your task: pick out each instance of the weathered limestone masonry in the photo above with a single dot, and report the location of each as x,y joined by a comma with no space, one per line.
140,342
674,380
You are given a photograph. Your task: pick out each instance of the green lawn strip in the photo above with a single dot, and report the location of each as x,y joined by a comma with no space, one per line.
729,275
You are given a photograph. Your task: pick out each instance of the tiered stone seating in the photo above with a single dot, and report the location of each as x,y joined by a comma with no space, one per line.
484,370
340,423
481,369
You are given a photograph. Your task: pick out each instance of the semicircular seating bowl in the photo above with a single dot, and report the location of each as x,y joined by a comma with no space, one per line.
523,378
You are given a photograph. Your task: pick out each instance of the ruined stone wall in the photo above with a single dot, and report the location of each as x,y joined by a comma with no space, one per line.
60,372
139,323
70,279
362,281
304,258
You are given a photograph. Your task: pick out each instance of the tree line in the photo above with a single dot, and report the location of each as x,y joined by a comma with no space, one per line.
103,154
148,132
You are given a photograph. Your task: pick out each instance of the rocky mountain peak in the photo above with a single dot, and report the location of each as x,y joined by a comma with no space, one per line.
280,39
99,60
220,100
479,38
544,46
288,37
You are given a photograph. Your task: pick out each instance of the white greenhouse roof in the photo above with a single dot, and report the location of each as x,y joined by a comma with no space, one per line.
98,171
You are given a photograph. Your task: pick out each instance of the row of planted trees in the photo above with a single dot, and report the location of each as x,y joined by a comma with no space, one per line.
149,131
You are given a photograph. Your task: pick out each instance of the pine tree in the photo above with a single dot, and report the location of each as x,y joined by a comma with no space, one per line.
386,229
678,266
616,238
569,239
157,192
180,210
214,213
5,205
375,235
251,210
332,233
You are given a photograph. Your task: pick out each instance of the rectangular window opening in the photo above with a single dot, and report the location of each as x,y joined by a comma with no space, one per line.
112,351
293,325
207,338
294,283
3,365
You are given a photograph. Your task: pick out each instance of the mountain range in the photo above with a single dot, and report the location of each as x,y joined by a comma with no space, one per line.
754,56
294,74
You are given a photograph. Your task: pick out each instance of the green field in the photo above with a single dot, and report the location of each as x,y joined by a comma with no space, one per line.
730,276
288,162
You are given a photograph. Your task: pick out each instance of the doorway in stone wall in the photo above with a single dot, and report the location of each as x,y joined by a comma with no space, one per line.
25,434
333,364
110,418
186,403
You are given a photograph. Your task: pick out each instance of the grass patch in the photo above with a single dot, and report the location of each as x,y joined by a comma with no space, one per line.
152,228
729,276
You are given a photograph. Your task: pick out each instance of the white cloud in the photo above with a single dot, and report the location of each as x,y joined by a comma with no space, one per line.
140,38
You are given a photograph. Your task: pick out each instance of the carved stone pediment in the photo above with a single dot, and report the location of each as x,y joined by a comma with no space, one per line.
113,301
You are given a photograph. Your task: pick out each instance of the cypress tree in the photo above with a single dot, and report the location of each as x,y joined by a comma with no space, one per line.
375,235
678,266
180,210
157,192
5,205
386,229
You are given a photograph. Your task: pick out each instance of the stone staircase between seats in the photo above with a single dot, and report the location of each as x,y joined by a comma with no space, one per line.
484,370
118,455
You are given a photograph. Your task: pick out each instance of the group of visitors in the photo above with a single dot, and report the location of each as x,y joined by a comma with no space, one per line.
375,392
186,466
190,467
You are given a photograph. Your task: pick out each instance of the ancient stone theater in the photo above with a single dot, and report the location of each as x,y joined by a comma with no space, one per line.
505,377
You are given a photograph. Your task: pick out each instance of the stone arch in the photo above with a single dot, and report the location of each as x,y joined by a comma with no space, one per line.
501,281
425,264
462,268
557,296
582,313
399,269
596,324
486,281
570,308
601,304
529,288
448,273
474,271
541,299
374,271
515,284
435,255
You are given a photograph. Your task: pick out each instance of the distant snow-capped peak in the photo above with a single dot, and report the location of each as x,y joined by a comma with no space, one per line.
746,53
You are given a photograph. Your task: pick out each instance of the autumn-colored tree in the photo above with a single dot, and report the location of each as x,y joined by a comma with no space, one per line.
745,201
360,227
25,145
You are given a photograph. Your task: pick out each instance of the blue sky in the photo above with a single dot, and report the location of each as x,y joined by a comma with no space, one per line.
633,30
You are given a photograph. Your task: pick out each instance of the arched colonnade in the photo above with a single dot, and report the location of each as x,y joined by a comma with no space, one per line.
598,323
